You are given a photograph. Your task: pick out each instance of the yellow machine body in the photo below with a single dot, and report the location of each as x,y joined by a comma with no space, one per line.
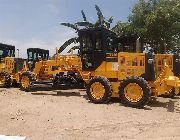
133,64
8,65
44,70
166,80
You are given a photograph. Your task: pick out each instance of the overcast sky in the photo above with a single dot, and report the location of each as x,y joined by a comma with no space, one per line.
36,23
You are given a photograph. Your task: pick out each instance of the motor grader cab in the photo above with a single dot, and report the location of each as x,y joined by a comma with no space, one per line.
7,51
101,44
35,55
116,67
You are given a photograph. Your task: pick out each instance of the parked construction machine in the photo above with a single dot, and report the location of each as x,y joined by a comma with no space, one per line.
61,71
111,66
38,69
7,54
117,67
11,67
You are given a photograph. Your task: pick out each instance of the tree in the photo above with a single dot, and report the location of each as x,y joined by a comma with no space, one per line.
101,22
157,22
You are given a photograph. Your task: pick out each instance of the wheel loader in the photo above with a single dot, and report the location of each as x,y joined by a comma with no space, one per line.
117,67
11,68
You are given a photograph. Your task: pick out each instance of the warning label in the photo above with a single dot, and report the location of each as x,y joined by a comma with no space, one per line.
114,66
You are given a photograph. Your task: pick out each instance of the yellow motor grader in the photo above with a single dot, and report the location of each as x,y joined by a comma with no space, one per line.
7,62
61,71
116,67
11,68
38,69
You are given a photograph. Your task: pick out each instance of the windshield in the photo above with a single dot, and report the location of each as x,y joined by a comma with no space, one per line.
7,53
117,45
36,55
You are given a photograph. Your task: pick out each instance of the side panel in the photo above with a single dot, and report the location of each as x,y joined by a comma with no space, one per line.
131,64
18,65
2,64
107,69
9,64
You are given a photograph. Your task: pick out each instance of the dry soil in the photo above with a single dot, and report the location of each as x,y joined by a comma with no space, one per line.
57,115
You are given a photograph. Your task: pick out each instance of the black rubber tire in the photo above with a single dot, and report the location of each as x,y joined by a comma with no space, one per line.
108,90
31,77
145,87
81,84
169,94
15,84
8,82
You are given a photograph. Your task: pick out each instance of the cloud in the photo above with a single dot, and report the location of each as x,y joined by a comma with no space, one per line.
51,45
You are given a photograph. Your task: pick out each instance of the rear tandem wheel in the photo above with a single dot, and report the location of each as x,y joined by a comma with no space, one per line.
135,92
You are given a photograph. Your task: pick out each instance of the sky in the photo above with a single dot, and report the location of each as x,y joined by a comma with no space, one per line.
36,23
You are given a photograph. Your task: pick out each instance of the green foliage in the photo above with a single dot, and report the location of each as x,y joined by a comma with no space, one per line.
100,16
123,28
157,22
73,26
108,22
85,24
74,48
101,22
84,16
68,42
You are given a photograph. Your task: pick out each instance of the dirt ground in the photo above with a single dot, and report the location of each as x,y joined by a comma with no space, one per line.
55,115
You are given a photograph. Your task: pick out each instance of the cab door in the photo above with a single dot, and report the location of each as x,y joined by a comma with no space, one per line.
99,49
176,65
9,64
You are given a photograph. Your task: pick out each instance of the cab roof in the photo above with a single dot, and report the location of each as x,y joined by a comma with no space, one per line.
37,49
5,46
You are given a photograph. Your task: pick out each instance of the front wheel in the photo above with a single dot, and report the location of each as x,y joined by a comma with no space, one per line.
99,90
25,81
134,92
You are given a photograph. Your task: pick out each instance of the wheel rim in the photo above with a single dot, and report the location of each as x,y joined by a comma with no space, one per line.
25,82
133,92
2,80
97,90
